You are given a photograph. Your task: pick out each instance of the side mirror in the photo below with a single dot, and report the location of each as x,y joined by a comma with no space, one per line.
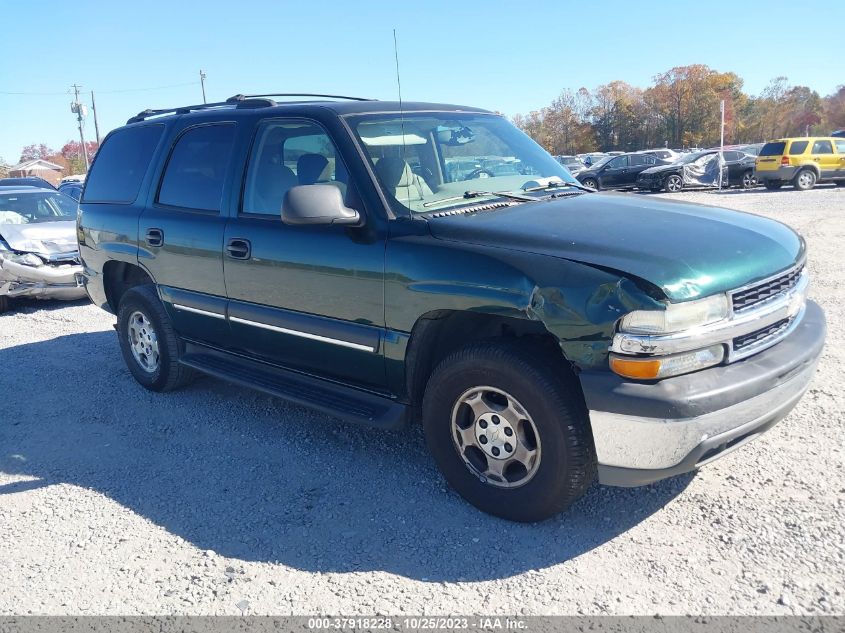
317,204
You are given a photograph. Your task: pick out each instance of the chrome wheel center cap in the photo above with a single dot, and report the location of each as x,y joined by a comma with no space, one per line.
495,436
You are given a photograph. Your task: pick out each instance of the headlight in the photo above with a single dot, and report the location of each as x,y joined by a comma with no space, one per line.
656,367
25,259
676,317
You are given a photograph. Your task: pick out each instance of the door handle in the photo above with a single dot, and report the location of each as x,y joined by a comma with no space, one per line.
239,248
155,237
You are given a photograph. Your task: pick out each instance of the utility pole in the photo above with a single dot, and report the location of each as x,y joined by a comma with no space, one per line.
202,83
721,140
96,125
80,110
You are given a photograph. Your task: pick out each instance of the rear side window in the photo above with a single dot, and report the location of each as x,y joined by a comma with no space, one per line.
798,147
840,146
121,163
197,168
773,149
822,147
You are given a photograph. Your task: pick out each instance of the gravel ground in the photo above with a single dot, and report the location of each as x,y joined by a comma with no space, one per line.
220,500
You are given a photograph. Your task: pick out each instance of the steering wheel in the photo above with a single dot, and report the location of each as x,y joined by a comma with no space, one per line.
477,174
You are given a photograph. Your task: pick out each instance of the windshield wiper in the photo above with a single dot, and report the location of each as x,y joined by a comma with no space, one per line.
559,183
468,195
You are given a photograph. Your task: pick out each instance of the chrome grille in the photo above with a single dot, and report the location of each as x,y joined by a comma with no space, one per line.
750,297
763,334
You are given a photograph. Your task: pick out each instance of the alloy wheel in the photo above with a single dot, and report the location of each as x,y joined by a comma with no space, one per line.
143,342
496,437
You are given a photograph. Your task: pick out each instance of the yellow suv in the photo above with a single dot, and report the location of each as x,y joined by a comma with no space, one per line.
802,162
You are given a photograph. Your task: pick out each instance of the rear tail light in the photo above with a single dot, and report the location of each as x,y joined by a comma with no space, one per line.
784,161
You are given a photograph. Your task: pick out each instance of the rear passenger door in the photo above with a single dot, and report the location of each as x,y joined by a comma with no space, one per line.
181,230
310,298
822,154
637,164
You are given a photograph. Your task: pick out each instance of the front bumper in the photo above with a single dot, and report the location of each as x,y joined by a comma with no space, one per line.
45,282
645,432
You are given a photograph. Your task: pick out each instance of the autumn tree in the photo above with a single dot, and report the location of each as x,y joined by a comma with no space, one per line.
36,151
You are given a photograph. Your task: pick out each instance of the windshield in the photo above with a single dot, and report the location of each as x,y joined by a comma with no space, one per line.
423,158
691,158
28,208
601,162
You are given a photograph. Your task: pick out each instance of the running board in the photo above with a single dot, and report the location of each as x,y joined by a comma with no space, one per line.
346,403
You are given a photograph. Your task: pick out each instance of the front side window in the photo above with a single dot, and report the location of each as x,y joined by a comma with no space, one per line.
121,164
620,162
424,161
197,168
286,154
822,147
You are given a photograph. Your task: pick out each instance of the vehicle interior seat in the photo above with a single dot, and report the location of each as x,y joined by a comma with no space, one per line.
397,176
313,168
271,183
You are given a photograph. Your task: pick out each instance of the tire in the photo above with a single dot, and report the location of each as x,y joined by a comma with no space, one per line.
773,185
590,182
5,303
804,180
148,341
551,418
674,183
748,181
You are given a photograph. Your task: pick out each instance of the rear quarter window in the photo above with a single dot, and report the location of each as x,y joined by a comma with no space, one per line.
797,147
773,149
121,164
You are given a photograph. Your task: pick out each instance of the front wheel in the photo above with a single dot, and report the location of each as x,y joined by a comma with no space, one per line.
509,431
674,183
590,182
148,342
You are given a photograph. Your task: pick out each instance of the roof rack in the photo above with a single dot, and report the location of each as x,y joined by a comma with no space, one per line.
239,101
298,94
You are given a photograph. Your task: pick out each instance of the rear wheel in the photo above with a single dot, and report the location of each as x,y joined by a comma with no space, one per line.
674,183
804,180
148,342
748,180
773,185
508,430
590,182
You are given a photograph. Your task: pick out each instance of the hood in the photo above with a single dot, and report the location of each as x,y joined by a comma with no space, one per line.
43,238
687,250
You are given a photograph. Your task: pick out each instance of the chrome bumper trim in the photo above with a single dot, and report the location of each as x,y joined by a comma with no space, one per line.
629,441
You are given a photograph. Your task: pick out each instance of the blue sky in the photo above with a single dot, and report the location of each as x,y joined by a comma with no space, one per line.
506,56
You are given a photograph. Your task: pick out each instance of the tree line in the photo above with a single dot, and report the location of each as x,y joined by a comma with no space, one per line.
680,109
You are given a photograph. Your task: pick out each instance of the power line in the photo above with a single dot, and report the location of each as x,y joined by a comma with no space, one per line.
40,94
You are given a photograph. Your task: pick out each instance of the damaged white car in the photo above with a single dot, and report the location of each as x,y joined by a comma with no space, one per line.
39,256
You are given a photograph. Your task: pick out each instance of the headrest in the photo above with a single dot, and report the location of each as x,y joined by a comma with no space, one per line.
395,172
311,167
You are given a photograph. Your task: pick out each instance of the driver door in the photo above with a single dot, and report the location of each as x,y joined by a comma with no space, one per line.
615,173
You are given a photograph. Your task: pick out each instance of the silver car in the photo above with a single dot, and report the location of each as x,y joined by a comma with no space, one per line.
39,256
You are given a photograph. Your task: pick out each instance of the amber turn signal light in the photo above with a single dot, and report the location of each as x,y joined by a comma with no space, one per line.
641,368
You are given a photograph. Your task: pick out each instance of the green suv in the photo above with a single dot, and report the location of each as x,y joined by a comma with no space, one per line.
544,335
